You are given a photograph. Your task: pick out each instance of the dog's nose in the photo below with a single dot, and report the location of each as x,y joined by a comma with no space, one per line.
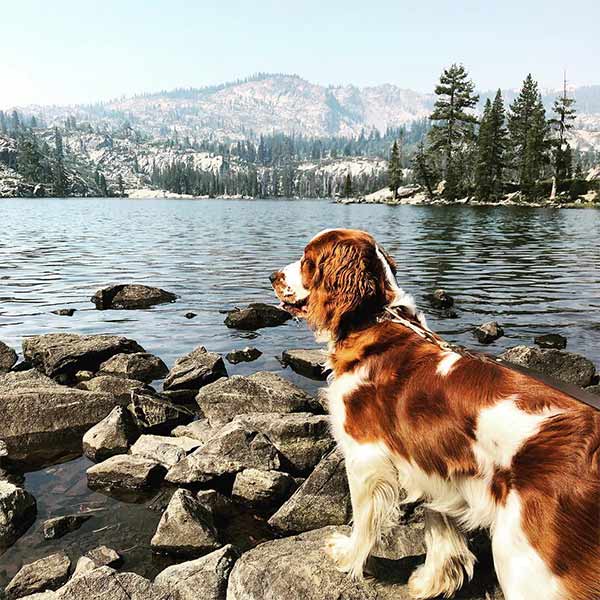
273,276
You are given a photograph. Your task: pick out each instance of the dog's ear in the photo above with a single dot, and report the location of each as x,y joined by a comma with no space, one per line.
389,259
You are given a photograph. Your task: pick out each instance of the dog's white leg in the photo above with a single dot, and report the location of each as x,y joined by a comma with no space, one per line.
374,491
448,559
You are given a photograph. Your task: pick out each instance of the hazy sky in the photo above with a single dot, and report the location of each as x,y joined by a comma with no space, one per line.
68,51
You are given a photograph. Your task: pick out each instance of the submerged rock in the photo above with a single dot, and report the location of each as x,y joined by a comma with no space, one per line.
142,366
488,332
551,340
113,435
255,316
125,472
45,574
18,510
193,371
440,299
310,363
262,392
63,354
203,578
246,354
186,528
103,556
58,527
261,489
163,449
64,312
130,296
8,358
564,366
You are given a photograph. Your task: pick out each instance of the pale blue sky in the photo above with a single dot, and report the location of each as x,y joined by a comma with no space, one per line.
66,51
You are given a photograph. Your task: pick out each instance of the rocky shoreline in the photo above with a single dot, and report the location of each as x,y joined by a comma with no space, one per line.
208,444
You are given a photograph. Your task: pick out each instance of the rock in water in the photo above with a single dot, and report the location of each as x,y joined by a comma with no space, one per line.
262,489
125,472
64,312
45,574
186,528
59,526
262,392
63,354
163,449
564,366
142,366
103,556
8,358
257,315
488,332
244,355
551,340
310,363
440,299
323,499
113,435
203,578
130,296
193,371
17,512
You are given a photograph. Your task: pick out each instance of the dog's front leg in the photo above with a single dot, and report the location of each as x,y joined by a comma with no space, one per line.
374,494
448,559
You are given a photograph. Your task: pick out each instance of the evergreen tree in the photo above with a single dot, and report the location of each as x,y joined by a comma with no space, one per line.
121,186
395,170
561,124
347,186
453,124
15,122
59,175
491,148
527,129
3,124
424,172
29,158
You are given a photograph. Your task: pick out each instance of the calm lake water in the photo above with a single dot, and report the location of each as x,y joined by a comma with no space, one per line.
533,270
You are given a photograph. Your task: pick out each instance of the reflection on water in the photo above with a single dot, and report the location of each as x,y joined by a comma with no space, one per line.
533,270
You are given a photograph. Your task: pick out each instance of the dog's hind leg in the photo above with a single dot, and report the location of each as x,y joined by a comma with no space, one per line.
374,492
448,559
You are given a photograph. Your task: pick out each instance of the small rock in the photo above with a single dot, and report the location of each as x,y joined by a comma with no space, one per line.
152,412
8,358
257,315
564,366
104,556
247,354
190,315
125,472
193,371
440,299
488,332
262,392
593,389
203,578
113,435
186,528
262,489
130,296
323,499
17,512
45,574
163,449
142,366
198,430
551,340
64,312
81,376
59,526
309,363
84,565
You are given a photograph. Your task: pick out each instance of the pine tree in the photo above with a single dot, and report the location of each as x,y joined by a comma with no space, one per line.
527,129
29,158
347,186
561,124
424,172
453,124
395,170
491,148
121,185
59,175
3,124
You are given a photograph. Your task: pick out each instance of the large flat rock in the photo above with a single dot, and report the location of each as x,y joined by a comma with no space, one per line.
130,296
48,573
125,471
142,366
255,316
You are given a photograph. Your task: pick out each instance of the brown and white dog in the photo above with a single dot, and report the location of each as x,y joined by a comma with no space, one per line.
483,445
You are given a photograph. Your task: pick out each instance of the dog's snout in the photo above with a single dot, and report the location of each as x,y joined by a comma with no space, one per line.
273,276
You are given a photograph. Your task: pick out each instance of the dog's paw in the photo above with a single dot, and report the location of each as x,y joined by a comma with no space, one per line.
429,583
340,549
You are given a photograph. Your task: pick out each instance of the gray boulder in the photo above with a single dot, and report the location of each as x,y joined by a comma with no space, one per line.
262,489
244,355
192,372
298,567
105,583
232,449
564,366
45,574
186,528
163,449
551,340
119,387
302,439
488,332
153,412
261,392
17,512
142,366
35,424
199,430
58,527
323,499
125,472
63,354
102,556
203,578
113,435
310,363
130,296
8,358
255,316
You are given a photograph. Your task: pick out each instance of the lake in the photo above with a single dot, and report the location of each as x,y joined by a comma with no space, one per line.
533,270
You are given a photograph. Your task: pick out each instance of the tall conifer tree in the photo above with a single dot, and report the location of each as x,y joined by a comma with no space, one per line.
565,112
395,169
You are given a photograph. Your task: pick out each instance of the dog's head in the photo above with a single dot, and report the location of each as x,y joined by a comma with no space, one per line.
342,281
